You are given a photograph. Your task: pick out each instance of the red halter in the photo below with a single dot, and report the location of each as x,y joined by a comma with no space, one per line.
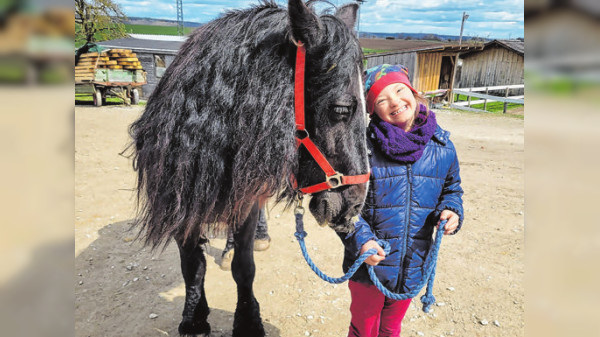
333,178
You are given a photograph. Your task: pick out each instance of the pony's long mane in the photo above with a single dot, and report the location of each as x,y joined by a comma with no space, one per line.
218,131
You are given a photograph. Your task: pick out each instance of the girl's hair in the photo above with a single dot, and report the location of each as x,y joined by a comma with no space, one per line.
420,98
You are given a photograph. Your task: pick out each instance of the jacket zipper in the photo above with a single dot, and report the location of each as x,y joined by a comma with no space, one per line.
406,220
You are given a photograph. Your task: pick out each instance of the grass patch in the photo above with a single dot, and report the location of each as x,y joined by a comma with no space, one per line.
142,29
55,74
559,85
157,30
87,99
13,71
367,51
497,114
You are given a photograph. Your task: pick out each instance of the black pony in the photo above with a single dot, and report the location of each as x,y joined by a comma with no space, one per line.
217,139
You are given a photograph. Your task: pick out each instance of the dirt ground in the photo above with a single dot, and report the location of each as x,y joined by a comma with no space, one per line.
400,44
121,289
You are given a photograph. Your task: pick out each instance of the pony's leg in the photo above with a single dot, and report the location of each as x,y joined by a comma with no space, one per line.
193,268
247,320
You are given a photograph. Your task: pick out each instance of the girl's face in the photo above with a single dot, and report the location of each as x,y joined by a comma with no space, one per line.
396,105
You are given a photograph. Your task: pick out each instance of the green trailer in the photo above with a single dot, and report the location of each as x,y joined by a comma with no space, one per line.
112,82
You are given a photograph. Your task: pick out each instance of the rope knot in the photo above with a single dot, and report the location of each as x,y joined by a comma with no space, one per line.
300,235
427,300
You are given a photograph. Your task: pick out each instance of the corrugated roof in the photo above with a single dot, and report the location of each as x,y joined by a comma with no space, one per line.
157,37
434,48
515,45
168,47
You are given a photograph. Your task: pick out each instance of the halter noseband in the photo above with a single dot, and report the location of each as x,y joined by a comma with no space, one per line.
333,179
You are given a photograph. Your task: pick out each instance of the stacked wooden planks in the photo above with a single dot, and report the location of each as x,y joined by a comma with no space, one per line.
124,58
111,59
85,68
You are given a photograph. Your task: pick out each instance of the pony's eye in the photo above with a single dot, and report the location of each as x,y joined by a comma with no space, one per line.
342,110
343,107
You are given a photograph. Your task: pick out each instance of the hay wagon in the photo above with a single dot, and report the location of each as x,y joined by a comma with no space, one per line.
114,72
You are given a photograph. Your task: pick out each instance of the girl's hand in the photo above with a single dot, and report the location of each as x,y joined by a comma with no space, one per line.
373,260
452,223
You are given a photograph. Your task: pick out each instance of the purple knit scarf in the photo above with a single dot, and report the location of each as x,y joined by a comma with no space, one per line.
399,145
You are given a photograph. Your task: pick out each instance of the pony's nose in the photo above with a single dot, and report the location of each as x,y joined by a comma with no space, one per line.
323,208
356,209
352,215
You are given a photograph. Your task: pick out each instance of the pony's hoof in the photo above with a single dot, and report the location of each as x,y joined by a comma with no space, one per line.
226,260
262,244
246,321
191,329
254,331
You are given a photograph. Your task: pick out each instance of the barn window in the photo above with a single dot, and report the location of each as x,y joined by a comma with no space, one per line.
159,65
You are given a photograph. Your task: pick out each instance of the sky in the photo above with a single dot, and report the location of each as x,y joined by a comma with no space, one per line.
501,19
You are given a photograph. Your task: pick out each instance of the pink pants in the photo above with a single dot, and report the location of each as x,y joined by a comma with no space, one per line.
374,315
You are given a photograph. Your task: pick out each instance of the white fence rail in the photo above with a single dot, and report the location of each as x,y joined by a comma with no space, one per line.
485,98
483,101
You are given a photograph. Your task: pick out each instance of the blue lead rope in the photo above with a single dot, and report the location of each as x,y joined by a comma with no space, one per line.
428,276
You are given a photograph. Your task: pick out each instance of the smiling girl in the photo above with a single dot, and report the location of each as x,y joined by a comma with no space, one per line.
414,184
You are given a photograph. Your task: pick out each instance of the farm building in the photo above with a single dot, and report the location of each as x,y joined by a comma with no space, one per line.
155,52
500,62
430,67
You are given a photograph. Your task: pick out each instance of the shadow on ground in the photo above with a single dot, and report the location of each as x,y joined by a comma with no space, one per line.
117,287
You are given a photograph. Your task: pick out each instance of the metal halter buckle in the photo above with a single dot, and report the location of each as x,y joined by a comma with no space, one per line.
299,209
335,180
302,134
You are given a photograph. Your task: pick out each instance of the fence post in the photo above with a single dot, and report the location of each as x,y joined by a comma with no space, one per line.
485,100
469,98
505,96
453,78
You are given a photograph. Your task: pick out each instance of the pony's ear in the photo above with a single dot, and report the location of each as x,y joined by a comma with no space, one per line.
347,14
304,23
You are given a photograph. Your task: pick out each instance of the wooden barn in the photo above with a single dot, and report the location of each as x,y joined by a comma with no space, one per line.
430,68
500,62
155,52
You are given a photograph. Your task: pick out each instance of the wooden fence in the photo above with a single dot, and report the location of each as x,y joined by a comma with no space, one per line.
485,98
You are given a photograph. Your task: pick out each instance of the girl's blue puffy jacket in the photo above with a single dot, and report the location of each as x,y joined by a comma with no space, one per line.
403,206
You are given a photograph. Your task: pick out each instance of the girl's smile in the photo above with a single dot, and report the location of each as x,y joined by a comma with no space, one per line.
401,110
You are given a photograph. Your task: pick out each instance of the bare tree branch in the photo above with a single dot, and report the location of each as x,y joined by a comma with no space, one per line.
99,20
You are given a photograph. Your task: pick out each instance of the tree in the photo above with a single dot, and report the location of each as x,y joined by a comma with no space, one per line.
98,20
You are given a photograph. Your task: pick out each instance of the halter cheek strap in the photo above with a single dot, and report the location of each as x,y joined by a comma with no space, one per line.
333,179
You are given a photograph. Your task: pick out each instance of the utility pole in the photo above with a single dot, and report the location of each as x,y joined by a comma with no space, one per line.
462,25
465,16
180,17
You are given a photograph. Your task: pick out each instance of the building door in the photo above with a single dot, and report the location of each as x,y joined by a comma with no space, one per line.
446,72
